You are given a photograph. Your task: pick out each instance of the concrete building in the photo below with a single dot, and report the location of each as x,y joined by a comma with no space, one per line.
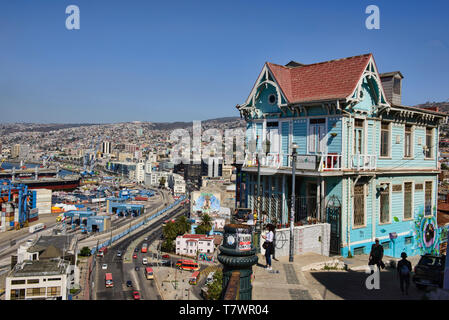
106,147
191,244
20,151
38,280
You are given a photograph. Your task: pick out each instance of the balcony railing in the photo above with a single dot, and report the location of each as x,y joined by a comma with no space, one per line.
364,162
320,162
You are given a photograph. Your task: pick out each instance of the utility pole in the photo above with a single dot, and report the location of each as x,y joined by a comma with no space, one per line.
292,211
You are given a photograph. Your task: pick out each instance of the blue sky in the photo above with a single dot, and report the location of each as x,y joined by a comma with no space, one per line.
195,60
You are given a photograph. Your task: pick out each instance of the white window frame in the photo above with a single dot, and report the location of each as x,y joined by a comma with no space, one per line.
412,142
365,194
432,147
389,141
389,204
403,200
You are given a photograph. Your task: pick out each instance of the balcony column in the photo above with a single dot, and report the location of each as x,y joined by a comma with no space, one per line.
318,198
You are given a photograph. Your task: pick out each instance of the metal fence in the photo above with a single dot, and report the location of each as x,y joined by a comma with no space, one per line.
134,227
306,208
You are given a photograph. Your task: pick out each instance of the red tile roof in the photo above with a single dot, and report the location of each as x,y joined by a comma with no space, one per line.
197,237
335,79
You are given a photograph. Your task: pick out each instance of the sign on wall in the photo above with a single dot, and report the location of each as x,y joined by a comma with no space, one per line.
306,162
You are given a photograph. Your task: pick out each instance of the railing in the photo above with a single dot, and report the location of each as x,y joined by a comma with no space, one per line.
330,162
233,287
364,162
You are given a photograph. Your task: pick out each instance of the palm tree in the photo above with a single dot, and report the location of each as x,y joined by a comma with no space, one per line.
206,222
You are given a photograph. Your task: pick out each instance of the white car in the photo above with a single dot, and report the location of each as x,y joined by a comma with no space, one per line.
104,266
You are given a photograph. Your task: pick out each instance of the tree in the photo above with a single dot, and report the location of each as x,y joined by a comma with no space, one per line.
205,226
162,182
444,166
214,289
85,252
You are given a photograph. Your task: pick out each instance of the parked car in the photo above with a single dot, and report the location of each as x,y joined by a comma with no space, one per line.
136,249
136,295
119,253
129,283
137,268
104,266
429,271
135,256
165,256
165,262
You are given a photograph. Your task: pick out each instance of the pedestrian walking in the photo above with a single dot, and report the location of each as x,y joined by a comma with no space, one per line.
376,255
404,269
268,244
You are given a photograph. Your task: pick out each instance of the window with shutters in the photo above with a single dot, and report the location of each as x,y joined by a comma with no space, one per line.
359,205
408,199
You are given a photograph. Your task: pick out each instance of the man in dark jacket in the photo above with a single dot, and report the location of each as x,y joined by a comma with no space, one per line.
404,269
376,255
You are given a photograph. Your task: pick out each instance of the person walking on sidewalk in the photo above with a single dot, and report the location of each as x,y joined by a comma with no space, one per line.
376,255
404,269
268,244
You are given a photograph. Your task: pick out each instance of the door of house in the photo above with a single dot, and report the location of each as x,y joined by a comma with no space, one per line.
333,210
317,136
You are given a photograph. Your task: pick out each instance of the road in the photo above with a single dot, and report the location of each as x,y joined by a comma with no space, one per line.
123,271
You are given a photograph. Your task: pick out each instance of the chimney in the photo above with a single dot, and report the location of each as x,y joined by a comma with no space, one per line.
392,85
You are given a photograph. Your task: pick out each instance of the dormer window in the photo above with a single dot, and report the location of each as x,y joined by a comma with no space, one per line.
272,98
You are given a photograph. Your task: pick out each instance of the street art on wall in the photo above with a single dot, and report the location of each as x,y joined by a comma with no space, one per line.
205,202
427,234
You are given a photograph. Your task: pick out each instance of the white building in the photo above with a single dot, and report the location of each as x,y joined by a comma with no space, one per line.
38,280
140,172
106,147
191,244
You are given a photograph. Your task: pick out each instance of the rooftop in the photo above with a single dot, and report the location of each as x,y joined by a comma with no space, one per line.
39,268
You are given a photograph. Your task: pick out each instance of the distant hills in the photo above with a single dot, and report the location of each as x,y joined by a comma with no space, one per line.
39,127
442,106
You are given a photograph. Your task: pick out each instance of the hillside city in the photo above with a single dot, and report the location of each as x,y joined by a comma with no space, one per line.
102,212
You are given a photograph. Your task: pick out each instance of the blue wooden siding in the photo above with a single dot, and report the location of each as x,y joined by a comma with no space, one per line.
334,126
397,149
300,135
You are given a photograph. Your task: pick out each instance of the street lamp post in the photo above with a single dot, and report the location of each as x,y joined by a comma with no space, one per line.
292,211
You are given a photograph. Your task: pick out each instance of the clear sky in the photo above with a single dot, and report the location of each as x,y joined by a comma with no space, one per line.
195,60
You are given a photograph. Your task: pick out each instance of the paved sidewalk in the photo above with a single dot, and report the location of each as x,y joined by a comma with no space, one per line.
316,277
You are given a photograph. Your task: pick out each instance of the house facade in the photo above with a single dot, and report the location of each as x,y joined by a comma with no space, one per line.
365,163
194,244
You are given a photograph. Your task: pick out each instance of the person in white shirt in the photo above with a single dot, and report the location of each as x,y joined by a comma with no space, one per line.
268,245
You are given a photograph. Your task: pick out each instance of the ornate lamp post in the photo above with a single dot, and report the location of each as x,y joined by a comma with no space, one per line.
292,211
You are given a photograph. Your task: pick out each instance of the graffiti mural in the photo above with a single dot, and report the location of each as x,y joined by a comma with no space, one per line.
205,202
427,234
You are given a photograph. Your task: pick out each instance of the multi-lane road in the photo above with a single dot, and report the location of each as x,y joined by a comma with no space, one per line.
124,269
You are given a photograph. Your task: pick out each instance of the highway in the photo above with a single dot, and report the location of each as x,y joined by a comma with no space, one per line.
122,271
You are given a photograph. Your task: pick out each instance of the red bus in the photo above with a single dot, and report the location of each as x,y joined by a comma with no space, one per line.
109,283
185,264
144,247
102,251
194,278
149,273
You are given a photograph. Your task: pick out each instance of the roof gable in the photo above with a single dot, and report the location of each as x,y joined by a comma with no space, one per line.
335,79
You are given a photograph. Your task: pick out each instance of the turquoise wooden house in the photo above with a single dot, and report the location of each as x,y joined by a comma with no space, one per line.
365,163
